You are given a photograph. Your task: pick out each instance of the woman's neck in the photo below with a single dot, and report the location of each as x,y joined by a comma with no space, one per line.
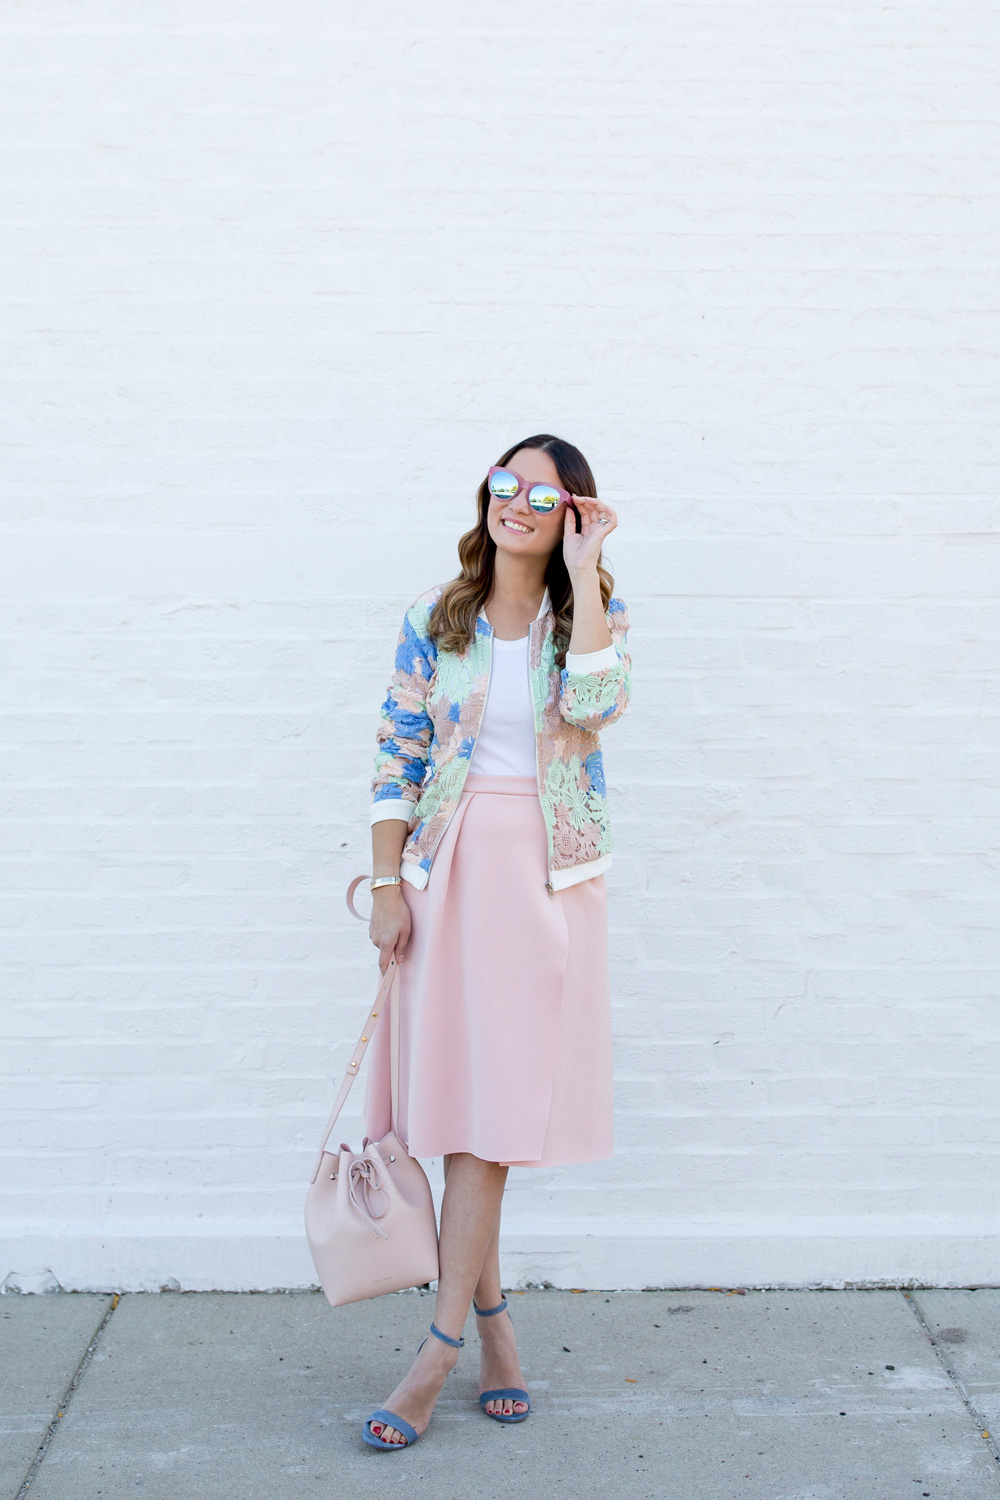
518,582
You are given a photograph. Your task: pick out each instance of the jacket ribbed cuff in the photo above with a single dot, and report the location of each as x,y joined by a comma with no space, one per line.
591,661
392,807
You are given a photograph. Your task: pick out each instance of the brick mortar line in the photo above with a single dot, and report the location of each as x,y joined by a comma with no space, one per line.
988,1437
68,1395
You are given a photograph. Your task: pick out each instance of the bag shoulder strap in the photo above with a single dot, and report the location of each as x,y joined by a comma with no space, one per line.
389,987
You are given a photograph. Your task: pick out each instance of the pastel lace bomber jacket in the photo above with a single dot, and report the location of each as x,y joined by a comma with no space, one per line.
431,718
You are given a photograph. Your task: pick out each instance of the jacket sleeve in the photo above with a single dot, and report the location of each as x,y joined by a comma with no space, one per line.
597,685
404,733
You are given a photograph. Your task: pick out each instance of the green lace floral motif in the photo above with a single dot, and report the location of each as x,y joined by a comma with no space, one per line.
593,692
453,678
569,807
445,786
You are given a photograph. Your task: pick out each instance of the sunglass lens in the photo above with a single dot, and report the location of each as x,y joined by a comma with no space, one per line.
503,485
543,498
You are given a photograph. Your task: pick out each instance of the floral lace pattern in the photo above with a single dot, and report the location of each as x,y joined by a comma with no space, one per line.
431,716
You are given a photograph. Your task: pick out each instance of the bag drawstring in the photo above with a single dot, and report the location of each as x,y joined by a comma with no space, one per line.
367,1175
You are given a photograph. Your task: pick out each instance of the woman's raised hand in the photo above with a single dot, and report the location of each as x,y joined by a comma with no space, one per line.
581,549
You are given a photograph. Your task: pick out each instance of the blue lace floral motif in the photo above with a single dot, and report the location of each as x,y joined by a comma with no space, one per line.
594,765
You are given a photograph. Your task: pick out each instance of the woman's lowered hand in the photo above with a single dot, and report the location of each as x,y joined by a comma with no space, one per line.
389,925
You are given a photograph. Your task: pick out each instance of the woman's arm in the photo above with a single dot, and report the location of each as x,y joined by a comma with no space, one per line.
388,838
403,740
590,628
596,687
405,731
596,680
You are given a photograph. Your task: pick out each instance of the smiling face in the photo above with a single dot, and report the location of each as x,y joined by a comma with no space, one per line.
513,525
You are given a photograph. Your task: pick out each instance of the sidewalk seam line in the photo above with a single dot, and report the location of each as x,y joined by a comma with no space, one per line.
67,1397
991,1440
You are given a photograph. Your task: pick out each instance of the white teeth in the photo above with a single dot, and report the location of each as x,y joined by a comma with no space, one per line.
515,526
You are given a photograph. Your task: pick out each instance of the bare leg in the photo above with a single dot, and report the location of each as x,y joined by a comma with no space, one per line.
488,1289
499,1367
469,1211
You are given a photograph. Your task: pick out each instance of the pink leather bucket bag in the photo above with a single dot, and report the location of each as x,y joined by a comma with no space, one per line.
369,1215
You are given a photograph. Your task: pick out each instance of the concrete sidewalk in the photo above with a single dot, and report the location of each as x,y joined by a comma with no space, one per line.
876,1395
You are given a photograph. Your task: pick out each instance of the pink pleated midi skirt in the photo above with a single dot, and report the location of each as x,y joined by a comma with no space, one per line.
505,1023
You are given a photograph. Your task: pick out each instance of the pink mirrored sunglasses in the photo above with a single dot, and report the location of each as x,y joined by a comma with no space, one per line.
504,484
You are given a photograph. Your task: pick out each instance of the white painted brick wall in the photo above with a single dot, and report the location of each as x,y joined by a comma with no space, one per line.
278,283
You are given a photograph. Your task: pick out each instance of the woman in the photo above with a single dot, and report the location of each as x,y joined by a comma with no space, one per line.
490,842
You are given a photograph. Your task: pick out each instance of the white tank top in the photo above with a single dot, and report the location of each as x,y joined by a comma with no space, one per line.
506,743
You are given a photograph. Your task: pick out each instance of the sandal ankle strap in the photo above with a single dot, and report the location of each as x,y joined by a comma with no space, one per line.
489,1312
446,1337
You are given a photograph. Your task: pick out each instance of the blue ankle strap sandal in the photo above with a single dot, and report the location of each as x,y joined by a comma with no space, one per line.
390,1419
510,1393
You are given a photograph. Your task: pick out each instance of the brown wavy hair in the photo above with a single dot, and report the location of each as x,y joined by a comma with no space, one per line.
452,623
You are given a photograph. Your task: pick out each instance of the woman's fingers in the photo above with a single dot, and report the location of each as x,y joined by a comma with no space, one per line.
597,521
591,513
385,950
390,943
